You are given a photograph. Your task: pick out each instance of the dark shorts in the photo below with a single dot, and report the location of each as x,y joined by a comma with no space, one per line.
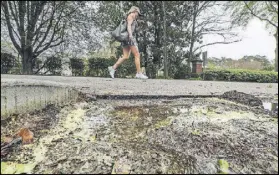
132,42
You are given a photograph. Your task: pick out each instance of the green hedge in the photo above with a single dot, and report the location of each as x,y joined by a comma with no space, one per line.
98,67
241,75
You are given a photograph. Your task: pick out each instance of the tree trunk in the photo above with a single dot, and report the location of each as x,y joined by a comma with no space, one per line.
27,56
157,26
165,49
145,50
196,3
276,51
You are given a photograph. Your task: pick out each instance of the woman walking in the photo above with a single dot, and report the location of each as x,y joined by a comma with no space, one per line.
130,45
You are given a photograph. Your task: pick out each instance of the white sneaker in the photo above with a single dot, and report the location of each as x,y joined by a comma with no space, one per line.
141,76
111,71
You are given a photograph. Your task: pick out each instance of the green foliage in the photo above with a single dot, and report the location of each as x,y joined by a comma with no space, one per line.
54,65
182,72
98,66
269,68
160,77
127,68
194,76
253,62
266,11
241,75
243,11
50,24
7,62
77,66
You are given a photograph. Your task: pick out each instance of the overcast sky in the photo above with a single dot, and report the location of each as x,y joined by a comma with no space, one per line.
256,41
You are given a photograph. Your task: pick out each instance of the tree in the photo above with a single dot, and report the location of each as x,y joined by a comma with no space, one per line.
165,51
36,26
266,11
194,15
209,18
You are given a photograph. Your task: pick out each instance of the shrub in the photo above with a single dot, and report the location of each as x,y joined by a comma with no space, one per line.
127,68
54,65
98,66
241,75
7,62
182,72
269,68
77,66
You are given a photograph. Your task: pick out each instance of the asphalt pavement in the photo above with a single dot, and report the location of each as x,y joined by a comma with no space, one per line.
157,87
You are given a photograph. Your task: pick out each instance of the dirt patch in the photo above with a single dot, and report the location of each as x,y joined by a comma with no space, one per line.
156,136
40,122
243,98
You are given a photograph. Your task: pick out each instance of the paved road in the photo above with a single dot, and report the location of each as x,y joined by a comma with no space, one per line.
107,86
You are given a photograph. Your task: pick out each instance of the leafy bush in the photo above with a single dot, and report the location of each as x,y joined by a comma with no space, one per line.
7,62
241,75
98,67
77,66
182,72
127,68
54,65
269,68
195,76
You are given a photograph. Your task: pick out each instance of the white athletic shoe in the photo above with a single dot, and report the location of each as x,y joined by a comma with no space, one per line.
141,76
111,71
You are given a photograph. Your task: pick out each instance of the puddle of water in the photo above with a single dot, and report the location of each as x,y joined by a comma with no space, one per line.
96,121
273,107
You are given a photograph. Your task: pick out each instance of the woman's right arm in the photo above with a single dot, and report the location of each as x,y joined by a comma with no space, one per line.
129,25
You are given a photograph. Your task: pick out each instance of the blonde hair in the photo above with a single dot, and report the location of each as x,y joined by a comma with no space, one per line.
132,9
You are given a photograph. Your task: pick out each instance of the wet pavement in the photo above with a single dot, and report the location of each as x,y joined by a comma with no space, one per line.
155,87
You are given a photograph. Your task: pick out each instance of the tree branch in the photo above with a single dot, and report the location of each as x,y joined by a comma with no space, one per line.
34,18
48,47
216,43
45,46
47,61
46,72
28,12
47,31
22,11
204,6
272,8
14,14
262,19
7,17
16,11
37,34
15,33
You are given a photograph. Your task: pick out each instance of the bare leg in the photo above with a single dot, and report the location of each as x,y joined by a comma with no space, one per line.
125,56
136,54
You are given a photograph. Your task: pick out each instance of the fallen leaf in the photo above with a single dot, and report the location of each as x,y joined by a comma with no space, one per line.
26,134
224,166
7,168
14,168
